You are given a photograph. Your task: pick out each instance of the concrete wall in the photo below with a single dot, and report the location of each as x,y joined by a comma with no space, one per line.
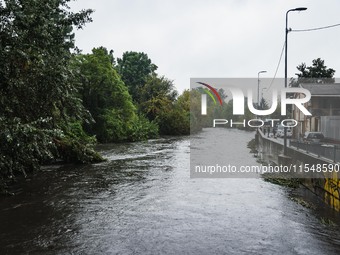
269,150
325,185
330,127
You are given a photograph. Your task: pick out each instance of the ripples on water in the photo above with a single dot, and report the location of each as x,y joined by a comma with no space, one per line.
142,201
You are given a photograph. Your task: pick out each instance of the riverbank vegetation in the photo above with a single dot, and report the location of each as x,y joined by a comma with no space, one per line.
216,111
282,180
56,102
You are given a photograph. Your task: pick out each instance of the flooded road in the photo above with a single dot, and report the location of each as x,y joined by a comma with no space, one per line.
142,201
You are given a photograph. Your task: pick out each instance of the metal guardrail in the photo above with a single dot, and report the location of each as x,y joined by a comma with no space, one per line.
329,151
325,111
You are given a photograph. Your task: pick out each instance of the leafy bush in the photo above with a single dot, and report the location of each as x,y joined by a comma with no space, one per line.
76,146
24,146
175,120
141,129
75,151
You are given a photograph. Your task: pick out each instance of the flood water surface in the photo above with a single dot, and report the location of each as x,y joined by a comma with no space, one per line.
143,201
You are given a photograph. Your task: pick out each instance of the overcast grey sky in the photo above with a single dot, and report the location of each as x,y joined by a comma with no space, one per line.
218,38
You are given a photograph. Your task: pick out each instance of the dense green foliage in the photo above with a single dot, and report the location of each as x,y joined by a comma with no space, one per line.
318,72
176,120
135,68
107,98
129,101
56,105
37,97
154,95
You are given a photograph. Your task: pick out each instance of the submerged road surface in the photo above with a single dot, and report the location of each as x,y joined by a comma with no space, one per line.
142,201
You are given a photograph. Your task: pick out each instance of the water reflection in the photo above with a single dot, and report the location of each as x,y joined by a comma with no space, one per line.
142,201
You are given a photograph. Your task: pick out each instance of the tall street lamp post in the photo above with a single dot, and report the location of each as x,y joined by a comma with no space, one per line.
258,88
262,94
286,80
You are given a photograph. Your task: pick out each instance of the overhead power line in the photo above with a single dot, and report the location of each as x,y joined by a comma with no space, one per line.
313,29
277,68
283,47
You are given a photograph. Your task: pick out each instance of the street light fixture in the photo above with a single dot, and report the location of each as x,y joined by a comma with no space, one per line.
258,87
286,80
286,37
262,95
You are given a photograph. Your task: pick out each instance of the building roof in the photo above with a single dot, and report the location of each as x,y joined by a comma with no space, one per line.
317,89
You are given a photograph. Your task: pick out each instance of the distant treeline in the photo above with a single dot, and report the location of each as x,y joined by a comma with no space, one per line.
57,103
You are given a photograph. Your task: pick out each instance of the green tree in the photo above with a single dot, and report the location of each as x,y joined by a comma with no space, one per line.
196,118
159,103
263,104
37,96
134,69
214,111
156,96
318,72
176,120
107,98
35,42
